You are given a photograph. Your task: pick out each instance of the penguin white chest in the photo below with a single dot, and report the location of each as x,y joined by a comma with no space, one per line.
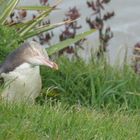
24,83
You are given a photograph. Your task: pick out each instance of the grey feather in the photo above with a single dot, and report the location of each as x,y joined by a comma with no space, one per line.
14,59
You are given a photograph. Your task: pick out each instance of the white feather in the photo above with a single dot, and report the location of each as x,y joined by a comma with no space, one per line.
24,83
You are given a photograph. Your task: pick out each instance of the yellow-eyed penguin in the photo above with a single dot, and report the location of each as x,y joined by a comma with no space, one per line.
21,72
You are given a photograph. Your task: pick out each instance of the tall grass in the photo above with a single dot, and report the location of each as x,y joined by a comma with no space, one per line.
95,84
58,122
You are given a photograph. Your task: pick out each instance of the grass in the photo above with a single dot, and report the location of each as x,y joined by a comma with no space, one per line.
84,102
91,101
59,122
81,104
7,37
96,84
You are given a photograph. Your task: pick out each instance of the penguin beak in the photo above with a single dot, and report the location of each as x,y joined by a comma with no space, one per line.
49,63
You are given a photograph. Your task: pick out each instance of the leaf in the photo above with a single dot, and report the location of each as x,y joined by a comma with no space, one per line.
57,47
6,7
35,21
19,25
36,8
38,19
46,28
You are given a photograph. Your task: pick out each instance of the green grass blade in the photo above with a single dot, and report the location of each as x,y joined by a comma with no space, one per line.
35,21
55,48
38,19
6,8
20,25
39,30
40,8
44,29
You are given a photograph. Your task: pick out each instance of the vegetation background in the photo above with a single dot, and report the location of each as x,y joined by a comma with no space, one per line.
81,101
